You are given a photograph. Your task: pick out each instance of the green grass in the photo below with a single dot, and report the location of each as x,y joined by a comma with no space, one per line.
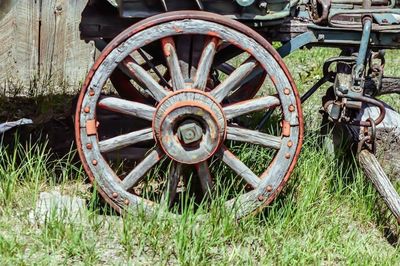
327,214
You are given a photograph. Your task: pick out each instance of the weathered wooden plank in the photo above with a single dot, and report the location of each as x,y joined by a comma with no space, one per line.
373,170
234,80
63,56
19,38
127,107
389,85
249,106
40,42
255,137
126,140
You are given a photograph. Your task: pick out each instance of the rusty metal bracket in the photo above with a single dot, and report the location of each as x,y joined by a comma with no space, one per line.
91,128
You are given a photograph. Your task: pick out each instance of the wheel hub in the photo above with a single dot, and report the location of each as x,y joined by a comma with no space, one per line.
189,126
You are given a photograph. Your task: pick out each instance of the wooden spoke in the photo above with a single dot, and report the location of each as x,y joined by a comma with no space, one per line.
172,184
141,169
234,80
239,167
255,137
149,83
127,107
203,171
249,106
205,63
178,83
126,140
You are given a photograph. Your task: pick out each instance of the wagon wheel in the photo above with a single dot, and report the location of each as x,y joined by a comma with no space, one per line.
192,125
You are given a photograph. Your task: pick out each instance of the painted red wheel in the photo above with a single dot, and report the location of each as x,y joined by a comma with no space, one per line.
193,125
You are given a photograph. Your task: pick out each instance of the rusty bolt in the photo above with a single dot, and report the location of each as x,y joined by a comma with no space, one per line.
287,156
190,132
290,144
87,109
91,93
89,146
292,108
94,162
126,202
286,91
269,188
115,195
261,198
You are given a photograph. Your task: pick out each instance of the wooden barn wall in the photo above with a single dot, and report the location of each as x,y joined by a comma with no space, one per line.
40,44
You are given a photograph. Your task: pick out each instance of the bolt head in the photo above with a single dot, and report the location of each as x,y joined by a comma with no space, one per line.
290,144
190,132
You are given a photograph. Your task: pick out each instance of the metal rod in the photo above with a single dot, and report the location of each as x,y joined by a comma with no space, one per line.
153,67
314,88
362,53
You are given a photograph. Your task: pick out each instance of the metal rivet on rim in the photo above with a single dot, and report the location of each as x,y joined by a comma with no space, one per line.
126,202
115,195
290,144
287,91
292,108
91,93
269,188
287,156
261,198
94,162
87,109
89,146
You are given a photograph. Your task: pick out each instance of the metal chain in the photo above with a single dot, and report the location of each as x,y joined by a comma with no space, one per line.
369,138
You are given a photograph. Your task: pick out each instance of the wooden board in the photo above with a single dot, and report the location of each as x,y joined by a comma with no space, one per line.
19,35
63,56
40,42
373,170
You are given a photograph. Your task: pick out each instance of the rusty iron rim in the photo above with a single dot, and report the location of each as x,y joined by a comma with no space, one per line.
114,190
